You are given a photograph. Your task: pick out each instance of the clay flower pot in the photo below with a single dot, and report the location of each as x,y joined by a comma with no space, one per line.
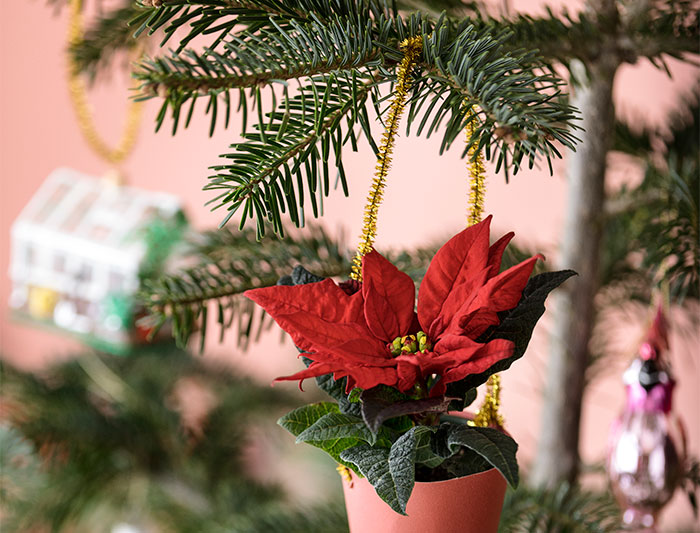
470,504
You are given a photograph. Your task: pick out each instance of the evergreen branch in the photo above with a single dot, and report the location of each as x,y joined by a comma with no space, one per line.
668,27
188,464
255,60
220,17
109,35
561,509
472,76
231,264
267,171
520,112
657,28
652,230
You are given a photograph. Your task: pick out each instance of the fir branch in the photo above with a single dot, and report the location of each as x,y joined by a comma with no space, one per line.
652,230
229,265
465,74
268,170
220,17
561,509
106,37
255,60
520,112
149,459
657,28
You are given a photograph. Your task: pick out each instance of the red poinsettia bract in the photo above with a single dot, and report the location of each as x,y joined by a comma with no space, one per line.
358,335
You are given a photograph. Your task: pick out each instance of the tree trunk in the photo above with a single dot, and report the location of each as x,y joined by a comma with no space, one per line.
557,457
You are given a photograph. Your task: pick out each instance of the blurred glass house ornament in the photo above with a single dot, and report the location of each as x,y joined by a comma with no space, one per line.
647,446
81,248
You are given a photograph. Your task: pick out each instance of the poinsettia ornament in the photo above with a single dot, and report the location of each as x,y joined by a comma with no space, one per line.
395,368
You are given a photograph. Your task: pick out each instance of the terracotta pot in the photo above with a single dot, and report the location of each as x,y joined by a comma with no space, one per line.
470,504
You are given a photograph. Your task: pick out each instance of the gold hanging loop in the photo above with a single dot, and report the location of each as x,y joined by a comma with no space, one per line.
411,48
488,414
78,95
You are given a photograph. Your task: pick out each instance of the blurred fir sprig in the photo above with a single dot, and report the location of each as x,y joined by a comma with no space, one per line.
652,235
100,441
564,509
229,263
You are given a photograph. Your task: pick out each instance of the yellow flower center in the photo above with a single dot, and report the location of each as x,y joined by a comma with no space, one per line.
410,344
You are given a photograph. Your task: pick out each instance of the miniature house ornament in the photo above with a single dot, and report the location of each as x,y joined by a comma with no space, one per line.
79,250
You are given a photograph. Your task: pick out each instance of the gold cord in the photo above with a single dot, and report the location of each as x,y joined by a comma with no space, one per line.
412,48
488,414
76,87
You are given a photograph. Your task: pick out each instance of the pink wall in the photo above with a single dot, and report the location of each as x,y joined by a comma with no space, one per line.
38,133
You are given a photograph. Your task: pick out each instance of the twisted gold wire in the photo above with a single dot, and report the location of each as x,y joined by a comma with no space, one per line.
477,177
488,414
77,90
411,48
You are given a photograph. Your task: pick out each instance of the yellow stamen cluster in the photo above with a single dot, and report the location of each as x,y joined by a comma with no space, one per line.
410,344
411,48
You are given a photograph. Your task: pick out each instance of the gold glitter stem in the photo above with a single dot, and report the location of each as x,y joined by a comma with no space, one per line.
411,48
477,176
488,414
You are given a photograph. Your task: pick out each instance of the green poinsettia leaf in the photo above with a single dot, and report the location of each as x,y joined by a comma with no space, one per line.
373,463
402,461
515,325
382,403
465,463
336,426
392,472
335,388
301,419
494,446
425,452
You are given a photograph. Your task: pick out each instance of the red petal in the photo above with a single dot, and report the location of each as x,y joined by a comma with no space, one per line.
315,369
480,361
389,297
456,305
496,253
459,260
448,352
358,376
320,317
500,293
367,377
408,374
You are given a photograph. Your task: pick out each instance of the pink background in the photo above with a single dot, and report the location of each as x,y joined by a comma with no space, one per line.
38,132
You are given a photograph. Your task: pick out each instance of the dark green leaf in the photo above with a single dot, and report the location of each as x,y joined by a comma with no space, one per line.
336,425
382,403
493,445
